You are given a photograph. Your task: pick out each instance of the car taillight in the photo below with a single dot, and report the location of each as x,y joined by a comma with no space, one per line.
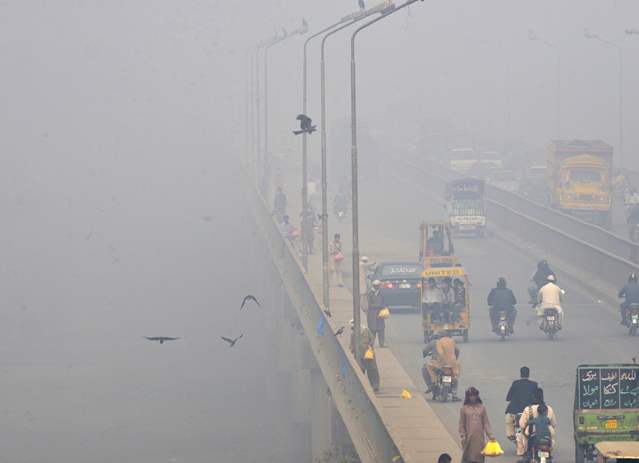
388,285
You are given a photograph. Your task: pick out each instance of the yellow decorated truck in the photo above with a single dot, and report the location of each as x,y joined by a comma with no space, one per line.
579,175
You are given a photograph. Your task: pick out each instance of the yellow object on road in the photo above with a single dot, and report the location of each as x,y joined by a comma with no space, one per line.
406,394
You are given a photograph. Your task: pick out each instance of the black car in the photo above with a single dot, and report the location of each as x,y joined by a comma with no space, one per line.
401,283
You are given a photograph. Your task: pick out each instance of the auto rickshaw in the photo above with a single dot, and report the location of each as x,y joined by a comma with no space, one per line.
613,452
435,241
606,411
453,317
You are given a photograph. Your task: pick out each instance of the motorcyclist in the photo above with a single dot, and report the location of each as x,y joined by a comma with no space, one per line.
539,279
539,430
549,297
500,299
631,293
444,352
522,393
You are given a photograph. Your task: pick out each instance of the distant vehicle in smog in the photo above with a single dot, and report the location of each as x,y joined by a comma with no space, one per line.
461,160
504,179
465,206
580,179
401,283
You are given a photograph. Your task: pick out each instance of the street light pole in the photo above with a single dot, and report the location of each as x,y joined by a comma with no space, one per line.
533,36
325,298
590,35
345,22
280,39
354,173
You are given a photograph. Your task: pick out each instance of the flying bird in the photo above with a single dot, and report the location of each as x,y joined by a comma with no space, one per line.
160,339
232,341
247,298
340,331
362,5
306,125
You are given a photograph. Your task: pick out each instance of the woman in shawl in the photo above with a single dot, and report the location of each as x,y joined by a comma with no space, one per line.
473,427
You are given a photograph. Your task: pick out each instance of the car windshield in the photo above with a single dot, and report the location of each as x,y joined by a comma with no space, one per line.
393,270
585,176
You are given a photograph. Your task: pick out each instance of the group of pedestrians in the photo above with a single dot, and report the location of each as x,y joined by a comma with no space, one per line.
292,234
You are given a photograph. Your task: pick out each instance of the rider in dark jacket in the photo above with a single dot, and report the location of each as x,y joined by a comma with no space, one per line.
502,298
541,275
631,292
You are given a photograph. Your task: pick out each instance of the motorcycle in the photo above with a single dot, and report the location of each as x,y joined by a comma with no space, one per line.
632,318
503,325
541,451
445,384
443,387
551,323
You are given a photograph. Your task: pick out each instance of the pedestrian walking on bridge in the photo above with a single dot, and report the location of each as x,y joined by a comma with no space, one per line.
474,427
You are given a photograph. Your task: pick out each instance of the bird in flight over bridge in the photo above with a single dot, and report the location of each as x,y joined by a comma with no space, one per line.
232,341
160,339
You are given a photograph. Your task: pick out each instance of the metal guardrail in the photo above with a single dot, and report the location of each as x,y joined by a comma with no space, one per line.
343,376
579,229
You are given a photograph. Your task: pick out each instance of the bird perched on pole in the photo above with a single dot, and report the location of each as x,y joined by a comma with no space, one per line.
306,125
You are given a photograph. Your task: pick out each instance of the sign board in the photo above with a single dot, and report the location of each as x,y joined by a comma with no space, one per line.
438,272
608,386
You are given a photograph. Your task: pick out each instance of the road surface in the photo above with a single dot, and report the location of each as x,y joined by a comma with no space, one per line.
391,208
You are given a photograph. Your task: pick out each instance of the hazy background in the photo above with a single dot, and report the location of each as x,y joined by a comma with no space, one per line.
122,123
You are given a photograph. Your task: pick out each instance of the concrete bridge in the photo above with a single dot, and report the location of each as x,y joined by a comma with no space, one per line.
330,388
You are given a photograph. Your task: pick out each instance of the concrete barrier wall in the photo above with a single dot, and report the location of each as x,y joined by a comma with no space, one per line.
342,375
584,231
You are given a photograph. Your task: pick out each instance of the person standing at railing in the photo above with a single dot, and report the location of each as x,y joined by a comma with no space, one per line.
365,267
279,204
367,360
375,303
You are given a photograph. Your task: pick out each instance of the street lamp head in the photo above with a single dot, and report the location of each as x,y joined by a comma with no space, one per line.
588,34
